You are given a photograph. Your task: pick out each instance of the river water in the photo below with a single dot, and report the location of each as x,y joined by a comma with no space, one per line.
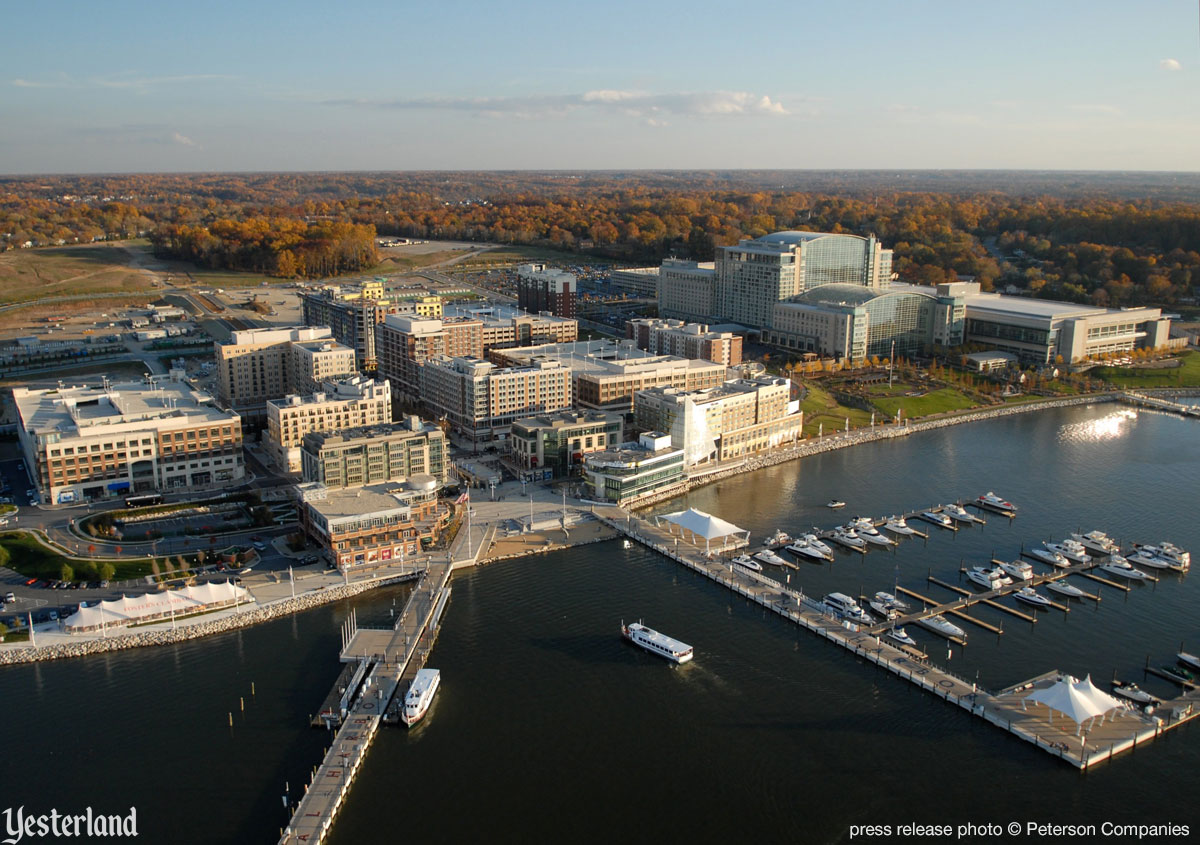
549,727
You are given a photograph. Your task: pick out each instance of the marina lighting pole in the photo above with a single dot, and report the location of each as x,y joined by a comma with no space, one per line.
891,364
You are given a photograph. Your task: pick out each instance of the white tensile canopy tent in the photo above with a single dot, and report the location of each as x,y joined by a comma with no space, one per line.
148,606
701,525
1079,700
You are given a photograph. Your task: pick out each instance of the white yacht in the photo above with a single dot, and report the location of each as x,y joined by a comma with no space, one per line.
420,695
1142,557
747,562
804,546
818,544
1072,550
768,556
1167,551
1018,569
846,607
867,530
984,577
1119,566
1132,692
898,525
937,518
891,599
779,538
1061,587
991,501
848,537
901,636
1188,659
1047,556
940,626
957,513
1097,541
835,504
884,609
1031,596
659,644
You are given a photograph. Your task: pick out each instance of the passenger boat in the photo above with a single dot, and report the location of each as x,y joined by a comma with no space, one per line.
1064,589
420,695
1120,567
984,577
867,530
803,546
747,562
1188,660
835,503
847,608
1031,596
768,556
901,636
1098,542
1132,692
937,518
898,525
1168,551
993,502
1071,550
1018,569
1178,674
848,537
957,513
1047,556
890,599
656,643
940,626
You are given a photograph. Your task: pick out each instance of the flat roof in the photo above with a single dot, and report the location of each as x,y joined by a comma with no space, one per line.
601,357
90,410
343,503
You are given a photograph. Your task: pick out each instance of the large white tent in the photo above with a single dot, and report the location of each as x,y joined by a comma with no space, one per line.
703,525
1079,700
149,606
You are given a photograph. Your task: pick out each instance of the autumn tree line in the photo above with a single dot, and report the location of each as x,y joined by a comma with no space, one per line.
1110,241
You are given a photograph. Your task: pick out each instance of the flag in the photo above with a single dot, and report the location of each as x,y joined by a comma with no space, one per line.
464,498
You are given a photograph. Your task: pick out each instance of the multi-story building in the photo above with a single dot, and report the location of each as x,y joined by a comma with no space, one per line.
540,288
405,343
740,418
687,290
481,400
558,442
363,527
634,471
87,443
606,373
257,365
376,454
351,403
639,282
687,340
353,312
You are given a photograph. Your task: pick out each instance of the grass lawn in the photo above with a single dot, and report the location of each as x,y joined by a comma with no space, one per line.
27,274
934,402
33,560
393,263
516,254
822,411
1186,375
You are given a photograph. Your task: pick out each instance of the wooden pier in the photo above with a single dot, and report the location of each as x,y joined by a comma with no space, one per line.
982,600
1054,733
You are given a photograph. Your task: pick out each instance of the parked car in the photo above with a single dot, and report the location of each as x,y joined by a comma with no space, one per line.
30,582
259,545
10,597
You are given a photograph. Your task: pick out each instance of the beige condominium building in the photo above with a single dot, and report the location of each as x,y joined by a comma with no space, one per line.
687,290
404,343
376,454
257,365
156,435
740,418
352,311
351,403
480,400
687,340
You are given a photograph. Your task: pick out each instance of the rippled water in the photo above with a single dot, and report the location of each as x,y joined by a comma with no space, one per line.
549,727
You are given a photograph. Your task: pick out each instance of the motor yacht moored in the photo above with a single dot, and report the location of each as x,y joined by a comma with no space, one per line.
747,562
898,525
1072,550
940,626
1031,596
901,636
1064,589
937,518
768,556
1120,567
1097,541
1047,556
1018,569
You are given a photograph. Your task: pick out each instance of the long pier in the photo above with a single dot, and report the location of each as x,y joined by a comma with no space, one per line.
1141,400
1009,709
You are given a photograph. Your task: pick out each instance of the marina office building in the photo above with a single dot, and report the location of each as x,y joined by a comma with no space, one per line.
87,443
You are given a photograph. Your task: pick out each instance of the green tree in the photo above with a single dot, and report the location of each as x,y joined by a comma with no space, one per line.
106,571
3,631
66,573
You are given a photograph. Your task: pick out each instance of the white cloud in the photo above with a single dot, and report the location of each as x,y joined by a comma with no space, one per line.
119,81
634,103
1170,64
182,140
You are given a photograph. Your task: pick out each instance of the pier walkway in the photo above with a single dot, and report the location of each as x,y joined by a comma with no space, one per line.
1141,400
1054,733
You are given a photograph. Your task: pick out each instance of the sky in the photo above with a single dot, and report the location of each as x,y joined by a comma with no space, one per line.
454,85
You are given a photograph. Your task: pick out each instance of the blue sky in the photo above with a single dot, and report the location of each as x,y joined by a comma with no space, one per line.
134,86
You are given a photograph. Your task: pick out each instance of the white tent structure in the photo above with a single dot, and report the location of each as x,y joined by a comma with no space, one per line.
151,606
701,525
1079,700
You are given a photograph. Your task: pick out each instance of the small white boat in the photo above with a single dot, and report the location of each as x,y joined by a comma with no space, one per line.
804,546
1031,596
779,538
1097,541
867,530
1064,589
1018,569
1047,556
1071,550
420,695
890,599
993,502
848,537
937,518
984,577
901,636
656,643
940,626
957,513
1188,659
1120,567
768,556
835,503
747,562
898,525
1132,692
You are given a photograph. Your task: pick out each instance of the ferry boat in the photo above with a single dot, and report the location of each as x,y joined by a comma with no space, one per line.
958,513
937,518
940,626
1098,542
1018,569
993,502
420,695
768,556
1120,567
901,636
1031,596
1047,556
1132,692
835,504
747,562
1071,550
1064,589
657,643
898,525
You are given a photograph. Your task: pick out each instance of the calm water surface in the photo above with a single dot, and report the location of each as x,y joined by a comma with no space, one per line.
549,727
